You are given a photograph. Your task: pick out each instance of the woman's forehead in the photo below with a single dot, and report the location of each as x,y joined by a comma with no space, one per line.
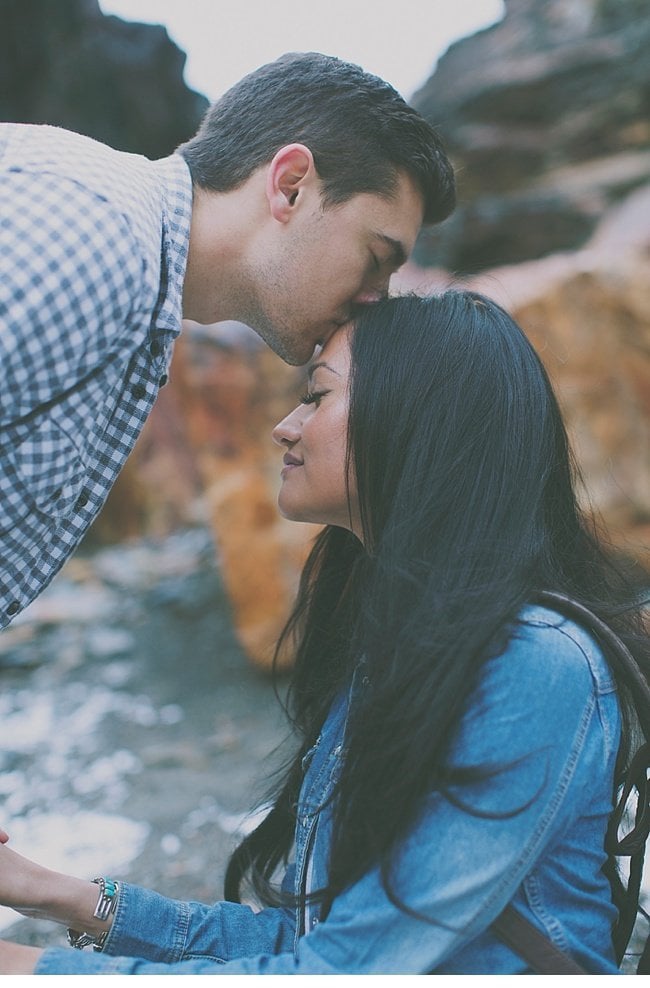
335,355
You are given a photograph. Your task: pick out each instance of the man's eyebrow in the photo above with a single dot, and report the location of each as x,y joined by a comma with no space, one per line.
311,370
399,252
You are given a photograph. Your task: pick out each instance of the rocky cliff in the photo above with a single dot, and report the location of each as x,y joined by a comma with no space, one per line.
70,65
546,116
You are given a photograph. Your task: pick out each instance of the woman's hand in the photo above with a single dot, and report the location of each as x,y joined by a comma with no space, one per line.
17,959
22,882
38,893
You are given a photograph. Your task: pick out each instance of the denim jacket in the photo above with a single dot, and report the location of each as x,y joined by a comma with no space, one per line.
547,710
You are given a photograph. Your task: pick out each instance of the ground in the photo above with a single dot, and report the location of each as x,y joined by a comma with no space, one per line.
137,736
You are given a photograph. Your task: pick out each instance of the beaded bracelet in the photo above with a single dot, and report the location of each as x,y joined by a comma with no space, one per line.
106,904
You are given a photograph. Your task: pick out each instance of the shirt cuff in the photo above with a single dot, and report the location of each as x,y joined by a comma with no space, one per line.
148,925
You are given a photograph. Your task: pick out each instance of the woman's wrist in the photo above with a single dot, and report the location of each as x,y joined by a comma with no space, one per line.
66,900
74,903
40,893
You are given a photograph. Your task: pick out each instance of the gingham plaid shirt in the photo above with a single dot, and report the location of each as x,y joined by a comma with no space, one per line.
93,249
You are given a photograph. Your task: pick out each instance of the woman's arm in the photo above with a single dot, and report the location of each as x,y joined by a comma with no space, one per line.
145,924
39,893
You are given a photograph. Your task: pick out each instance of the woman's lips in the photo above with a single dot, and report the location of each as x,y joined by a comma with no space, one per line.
290,462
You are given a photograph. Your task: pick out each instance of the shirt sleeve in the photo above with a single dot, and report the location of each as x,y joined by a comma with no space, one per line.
70,275
151,926
458,868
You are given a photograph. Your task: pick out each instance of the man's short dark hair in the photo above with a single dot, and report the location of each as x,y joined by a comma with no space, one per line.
358,128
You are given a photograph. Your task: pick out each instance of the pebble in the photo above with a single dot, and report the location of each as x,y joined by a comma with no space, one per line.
93,594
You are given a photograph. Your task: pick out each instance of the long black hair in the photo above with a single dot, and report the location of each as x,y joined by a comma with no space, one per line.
467,493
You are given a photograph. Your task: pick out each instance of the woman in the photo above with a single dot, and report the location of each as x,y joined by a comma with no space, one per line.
458,740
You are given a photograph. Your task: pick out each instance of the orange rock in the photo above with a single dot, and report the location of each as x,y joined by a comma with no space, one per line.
233,390
588,315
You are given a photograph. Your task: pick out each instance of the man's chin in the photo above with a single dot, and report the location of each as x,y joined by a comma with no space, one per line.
294,354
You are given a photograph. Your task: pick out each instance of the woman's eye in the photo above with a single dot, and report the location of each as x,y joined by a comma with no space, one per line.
312,397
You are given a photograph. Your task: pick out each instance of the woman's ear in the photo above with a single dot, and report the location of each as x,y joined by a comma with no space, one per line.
290,172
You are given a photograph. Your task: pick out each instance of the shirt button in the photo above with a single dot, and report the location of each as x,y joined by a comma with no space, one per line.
82,500
163,380
138,391
13,608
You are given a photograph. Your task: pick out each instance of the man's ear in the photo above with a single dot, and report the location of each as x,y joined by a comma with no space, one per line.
289,173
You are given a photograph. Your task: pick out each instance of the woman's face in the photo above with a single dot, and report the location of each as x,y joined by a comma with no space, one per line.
314,439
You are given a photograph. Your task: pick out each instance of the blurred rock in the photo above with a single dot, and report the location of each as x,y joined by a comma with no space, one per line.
104,642
72,603
206,454
89,612
232,390
69,65
545,116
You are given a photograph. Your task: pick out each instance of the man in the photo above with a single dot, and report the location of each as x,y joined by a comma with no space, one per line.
302,192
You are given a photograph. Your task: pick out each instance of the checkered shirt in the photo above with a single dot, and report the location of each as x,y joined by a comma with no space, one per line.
93,249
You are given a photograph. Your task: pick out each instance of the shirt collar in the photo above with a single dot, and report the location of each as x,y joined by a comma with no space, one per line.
176,184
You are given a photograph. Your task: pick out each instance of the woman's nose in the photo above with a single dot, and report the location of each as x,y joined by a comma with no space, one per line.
287,432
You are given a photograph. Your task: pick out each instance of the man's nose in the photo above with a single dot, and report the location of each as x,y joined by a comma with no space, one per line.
373,292
368,296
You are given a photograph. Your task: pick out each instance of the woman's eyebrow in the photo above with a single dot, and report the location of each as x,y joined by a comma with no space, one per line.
321,363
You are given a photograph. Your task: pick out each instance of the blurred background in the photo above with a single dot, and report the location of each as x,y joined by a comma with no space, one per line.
143,670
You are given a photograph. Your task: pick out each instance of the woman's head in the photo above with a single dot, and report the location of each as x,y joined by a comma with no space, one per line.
439,415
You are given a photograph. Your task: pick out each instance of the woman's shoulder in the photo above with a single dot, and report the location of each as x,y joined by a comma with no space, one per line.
546,644
543,691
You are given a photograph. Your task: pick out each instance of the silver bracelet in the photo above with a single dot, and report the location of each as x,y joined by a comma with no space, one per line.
106,904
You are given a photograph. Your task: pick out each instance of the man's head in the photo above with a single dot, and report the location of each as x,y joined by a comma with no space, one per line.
359,129
321,133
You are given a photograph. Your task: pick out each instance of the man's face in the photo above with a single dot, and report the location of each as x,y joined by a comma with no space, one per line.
311,272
